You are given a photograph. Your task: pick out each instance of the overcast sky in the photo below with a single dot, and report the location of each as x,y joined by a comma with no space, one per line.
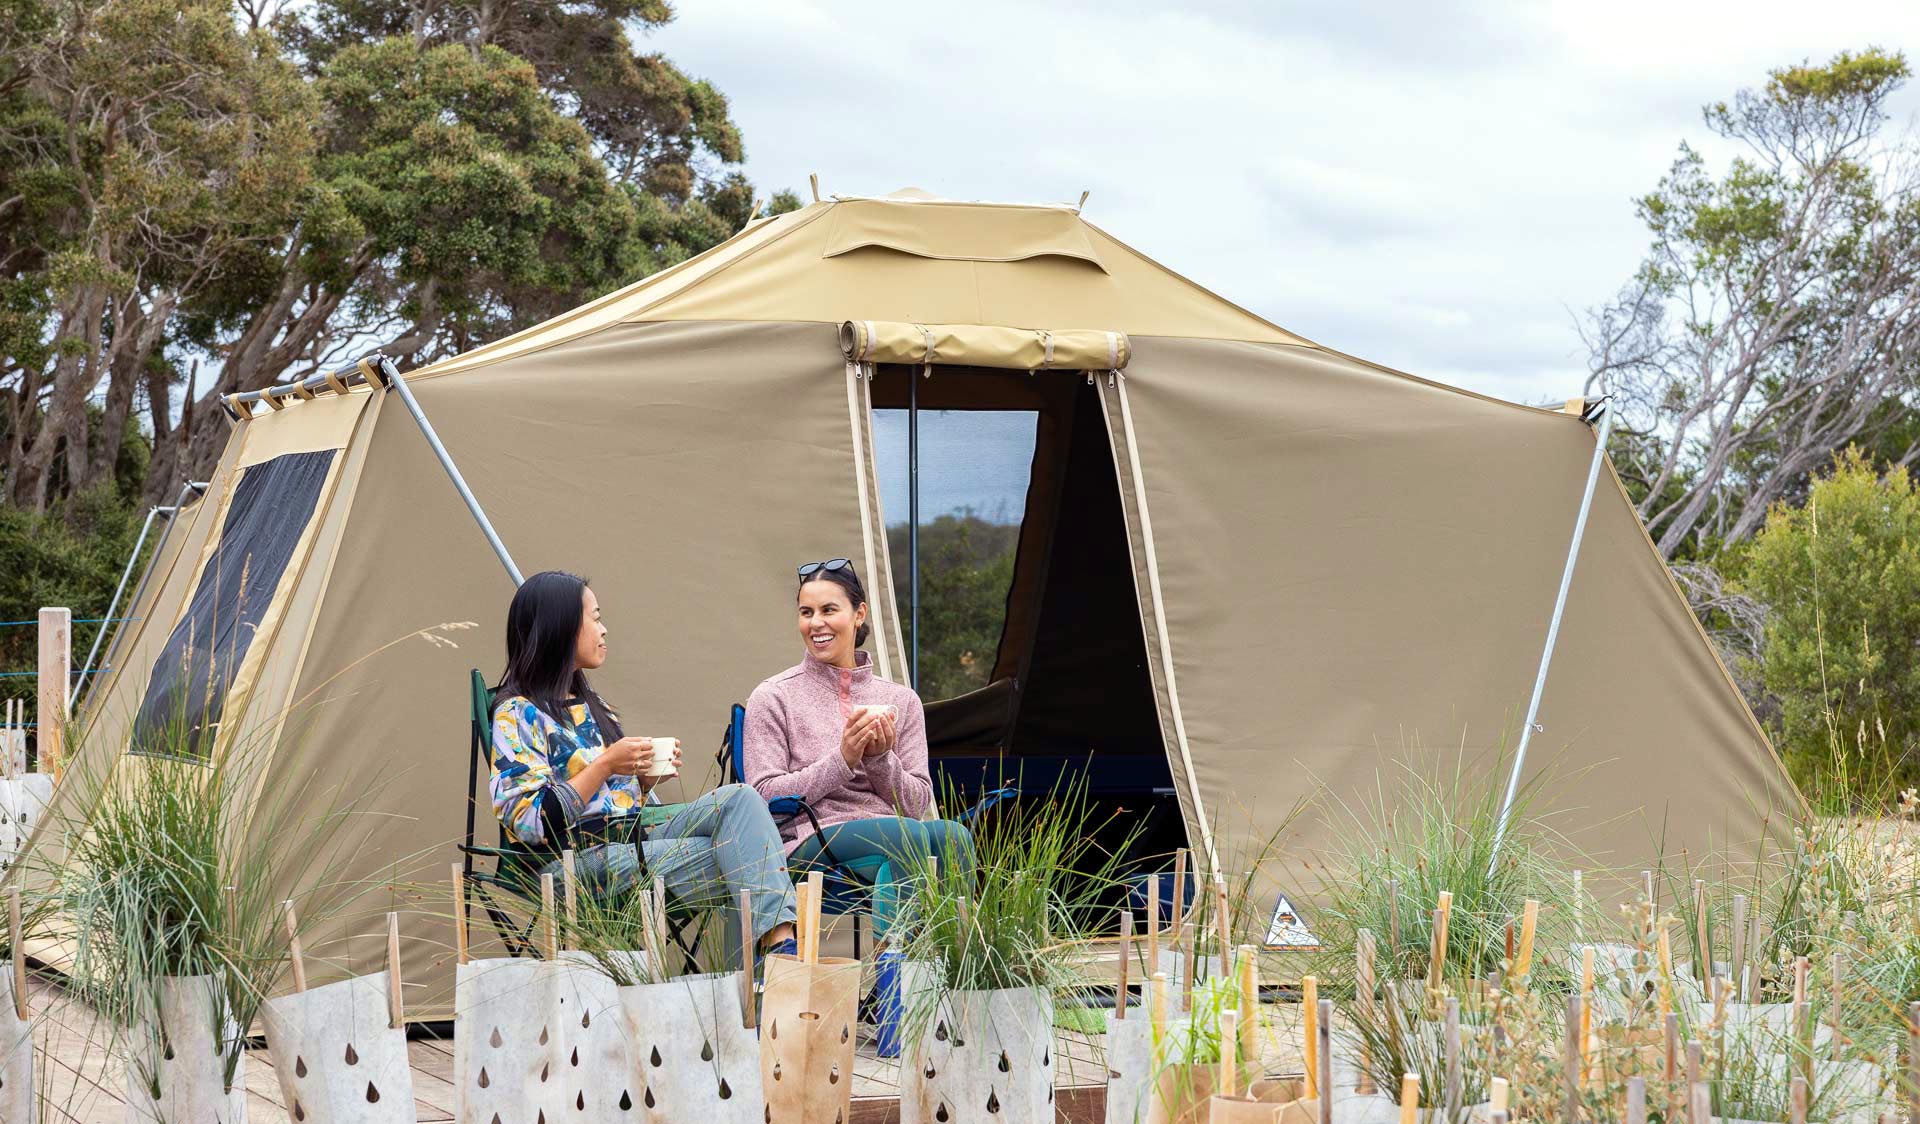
1439,186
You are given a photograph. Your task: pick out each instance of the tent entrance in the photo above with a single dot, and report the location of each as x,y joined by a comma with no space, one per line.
1033,661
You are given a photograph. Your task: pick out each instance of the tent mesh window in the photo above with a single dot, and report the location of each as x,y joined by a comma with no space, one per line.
187,691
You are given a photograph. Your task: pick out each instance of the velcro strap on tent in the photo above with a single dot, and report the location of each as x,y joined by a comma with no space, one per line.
984,345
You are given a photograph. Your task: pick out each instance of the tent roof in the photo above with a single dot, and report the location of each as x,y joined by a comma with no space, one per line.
910,257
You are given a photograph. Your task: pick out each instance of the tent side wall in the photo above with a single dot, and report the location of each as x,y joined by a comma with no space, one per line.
685,468
1358,570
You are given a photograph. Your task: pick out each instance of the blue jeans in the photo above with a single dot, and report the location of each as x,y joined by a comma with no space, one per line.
882,849
719,844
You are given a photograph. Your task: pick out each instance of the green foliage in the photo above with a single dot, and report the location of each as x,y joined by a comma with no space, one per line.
966,571
1841,575
72,556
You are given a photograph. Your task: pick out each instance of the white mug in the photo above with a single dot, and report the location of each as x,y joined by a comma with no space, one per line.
662,766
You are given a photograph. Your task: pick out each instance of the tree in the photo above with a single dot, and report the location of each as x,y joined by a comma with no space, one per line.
1776,318
966,571
1841,577
234,194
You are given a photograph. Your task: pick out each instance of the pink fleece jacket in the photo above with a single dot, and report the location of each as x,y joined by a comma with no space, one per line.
794,722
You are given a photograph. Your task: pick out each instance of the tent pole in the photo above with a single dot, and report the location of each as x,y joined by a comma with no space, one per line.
87,677
913,517
1553,632
453,471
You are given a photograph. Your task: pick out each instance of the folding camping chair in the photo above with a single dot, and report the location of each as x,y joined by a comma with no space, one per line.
515,873
846,887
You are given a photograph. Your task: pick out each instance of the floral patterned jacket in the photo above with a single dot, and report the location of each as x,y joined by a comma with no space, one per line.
533,755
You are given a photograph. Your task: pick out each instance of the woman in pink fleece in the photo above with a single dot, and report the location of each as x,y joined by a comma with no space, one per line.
849,743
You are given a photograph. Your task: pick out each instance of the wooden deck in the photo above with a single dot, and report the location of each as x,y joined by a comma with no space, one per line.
81,1081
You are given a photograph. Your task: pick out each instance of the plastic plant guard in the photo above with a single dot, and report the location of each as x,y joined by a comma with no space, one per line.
506,1041
694,1061
336,1056
177,1063
982,1055
1180,1093
593,1037
1129,1066
18,1104
807,1030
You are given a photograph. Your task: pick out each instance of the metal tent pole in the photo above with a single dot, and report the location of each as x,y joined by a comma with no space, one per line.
913,515
87,680
479,514
1553,631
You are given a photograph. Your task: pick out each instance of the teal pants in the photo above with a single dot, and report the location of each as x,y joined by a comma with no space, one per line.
877,850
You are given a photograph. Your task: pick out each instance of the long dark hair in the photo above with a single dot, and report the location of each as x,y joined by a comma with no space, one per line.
847,580
543,629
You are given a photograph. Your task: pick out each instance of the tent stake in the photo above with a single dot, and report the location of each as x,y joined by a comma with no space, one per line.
1553,633
396,383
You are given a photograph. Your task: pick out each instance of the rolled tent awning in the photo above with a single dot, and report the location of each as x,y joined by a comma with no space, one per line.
984,345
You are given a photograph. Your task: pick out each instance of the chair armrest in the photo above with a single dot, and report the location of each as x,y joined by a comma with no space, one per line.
786,807
989,800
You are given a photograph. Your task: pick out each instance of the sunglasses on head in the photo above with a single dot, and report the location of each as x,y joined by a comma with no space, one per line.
829,566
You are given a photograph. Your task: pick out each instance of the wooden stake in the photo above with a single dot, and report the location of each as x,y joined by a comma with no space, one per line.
1126,954
1913,1063
816,891
396,1005
649,934
1529,922
1223,922
1310,1032
746,959
1188,940
1363,988
1326,1061
660,916
55,679
1836,1001
1666,973
1229,1051
1737,961
1636,1100
1703,945
1409,1098
1153,929
1797,1101
1755,956
1802,1026
547,918
1579,907
1441,918
1455,1081
1693,1063
1497,1095
1393,921
293,946
1646,891
800,921
1586,1012
569,875
1179,923
1671,1023
1157,1007
1249,1003
460,912
1572,1055
16,940
1700,1103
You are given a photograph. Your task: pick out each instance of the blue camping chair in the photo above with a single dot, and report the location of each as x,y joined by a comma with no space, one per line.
863,885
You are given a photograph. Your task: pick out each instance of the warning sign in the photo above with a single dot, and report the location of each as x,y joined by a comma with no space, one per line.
1287,932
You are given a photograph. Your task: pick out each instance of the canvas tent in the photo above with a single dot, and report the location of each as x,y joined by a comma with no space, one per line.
1251,569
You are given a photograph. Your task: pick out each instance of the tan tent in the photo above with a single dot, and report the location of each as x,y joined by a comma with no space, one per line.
1251,569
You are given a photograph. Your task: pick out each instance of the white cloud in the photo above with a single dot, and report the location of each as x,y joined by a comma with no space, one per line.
1432,185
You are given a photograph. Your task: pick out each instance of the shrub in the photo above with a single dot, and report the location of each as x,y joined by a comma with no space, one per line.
1841,577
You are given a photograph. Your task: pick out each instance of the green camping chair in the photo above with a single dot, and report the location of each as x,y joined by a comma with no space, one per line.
514,874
